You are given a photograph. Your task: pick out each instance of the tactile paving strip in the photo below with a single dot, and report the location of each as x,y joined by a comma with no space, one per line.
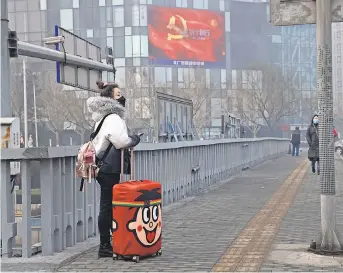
247,252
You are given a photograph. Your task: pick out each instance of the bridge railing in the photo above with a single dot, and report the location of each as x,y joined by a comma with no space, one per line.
69,216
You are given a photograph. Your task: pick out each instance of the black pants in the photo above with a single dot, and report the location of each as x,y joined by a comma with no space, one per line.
313,161
106,181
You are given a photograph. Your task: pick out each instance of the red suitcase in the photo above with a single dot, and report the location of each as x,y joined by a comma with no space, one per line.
136,218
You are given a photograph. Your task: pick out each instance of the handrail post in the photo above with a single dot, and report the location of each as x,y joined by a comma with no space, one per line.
25,227
47,186
8,225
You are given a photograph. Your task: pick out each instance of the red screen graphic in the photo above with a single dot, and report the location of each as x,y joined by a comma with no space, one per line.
186,37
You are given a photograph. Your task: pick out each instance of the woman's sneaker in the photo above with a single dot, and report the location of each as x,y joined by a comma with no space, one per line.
313,170
105,251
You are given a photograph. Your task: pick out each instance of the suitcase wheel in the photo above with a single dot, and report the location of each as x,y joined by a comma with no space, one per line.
159,253
135,259
115,256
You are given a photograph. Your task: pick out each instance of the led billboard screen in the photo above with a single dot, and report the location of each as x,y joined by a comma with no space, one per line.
186,37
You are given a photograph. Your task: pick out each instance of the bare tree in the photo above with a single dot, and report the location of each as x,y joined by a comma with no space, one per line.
266,97
64,107
17,88
17,91
17,96
140,99
194,88
75,112
309,106
248,111
53,100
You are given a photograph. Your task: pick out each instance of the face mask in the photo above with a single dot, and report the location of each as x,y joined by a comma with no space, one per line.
121,100
315,121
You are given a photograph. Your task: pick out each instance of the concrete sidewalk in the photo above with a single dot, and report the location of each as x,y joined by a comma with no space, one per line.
261,220
197,235
300,226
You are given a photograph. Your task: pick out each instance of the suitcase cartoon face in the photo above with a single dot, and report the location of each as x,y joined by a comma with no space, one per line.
137,224
147,221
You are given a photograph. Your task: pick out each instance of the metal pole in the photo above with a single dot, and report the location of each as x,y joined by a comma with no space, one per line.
35,110
40,52
5,76
329,239
25,103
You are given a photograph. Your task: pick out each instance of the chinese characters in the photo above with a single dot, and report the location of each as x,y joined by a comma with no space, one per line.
189,63
194,34
199,34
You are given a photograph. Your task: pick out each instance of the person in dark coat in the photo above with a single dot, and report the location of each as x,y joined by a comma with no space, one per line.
312,137
296,141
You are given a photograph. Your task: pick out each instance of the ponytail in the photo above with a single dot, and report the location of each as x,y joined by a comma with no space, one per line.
100,84
106,89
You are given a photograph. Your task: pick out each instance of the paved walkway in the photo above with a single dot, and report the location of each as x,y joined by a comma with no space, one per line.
197,235
300,226
261,220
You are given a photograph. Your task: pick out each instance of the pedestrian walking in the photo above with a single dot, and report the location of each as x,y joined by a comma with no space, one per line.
335,134
296,140
312,137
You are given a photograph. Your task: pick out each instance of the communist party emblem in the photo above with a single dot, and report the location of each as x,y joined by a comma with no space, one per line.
172,26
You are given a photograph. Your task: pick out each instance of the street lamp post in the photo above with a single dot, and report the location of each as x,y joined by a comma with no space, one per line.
329,238
322,13
35,109
25,104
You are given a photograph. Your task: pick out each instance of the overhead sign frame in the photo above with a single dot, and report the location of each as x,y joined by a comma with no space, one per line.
300,12
71,75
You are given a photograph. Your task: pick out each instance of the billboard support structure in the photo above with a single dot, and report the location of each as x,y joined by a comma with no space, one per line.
45,53
323,13
73,75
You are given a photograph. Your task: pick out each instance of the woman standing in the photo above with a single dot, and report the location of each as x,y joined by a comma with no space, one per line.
113,133
312,137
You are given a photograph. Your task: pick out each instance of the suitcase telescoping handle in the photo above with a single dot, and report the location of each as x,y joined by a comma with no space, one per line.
122,165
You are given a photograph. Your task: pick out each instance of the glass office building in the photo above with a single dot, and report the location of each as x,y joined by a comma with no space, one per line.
298,58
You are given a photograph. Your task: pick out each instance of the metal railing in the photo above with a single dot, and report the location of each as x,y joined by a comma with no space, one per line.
69,216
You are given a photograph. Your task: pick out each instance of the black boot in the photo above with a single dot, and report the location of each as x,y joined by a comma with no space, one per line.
105,250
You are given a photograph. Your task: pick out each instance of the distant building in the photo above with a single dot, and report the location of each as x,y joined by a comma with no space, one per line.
123,25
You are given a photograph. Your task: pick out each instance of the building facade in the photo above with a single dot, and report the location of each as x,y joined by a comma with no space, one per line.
123,25
298,58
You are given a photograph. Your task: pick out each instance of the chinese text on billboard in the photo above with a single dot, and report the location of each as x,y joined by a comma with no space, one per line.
186,37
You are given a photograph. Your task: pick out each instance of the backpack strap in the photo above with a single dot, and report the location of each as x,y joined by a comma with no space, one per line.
95,133
82,183
101,161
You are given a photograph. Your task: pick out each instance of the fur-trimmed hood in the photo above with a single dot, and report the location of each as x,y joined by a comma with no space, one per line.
101,106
